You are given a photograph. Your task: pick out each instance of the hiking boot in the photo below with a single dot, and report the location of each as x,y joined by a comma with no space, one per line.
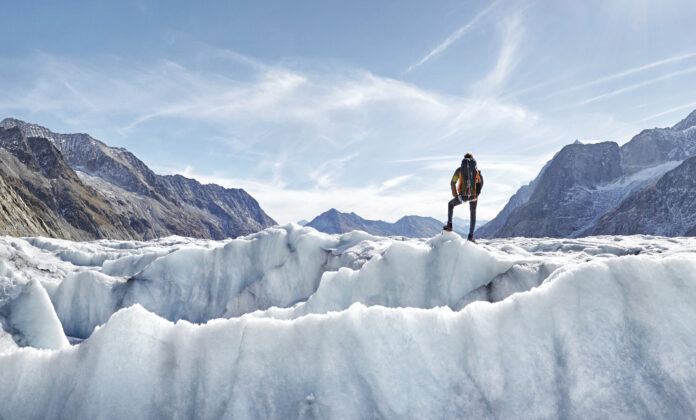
447,227
471,238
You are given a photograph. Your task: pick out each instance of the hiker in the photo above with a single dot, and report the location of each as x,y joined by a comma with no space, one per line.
470,183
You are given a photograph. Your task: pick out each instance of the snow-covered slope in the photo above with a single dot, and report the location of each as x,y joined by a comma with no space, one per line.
293,323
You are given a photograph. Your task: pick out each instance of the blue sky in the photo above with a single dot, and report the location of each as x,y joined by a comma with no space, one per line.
363,106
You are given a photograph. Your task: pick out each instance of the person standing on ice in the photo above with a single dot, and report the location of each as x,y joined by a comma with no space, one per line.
466,185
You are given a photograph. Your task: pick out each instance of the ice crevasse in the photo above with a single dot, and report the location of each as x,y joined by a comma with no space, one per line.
292,323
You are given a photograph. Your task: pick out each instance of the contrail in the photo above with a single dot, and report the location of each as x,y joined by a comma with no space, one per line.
625,73
637,85
455,36
669,111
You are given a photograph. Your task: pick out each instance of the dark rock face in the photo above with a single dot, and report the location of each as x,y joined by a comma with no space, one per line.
334,221
490,229
87,154
47,196
128,199
666,207
561,203
235,210
583,183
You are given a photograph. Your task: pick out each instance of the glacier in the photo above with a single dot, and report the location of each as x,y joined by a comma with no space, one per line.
293,323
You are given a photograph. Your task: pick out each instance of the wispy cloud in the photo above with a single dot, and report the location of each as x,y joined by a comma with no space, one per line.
637,86
453,37
532,88
299,142
165,89
625,73
507,57
328,172
394,182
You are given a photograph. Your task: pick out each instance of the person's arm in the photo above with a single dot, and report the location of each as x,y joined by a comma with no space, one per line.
453,184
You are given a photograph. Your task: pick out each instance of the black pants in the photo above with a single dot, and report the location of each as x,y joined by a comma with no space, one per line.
472,213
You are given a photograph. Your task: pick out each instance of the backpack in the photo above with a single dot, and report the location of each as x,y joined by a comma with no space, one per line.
467,179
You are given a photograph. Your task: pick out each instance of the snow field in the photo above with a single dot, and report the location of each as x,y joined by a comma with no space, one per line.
306,325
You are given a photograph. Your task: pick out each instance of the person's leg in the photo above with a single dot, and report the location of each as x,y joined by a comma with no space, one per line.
472,220
450,209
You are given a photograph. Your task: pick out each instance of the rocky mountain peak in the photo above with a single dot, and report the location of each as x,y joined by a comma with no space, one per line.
686,123
89,155
334,221
582,183
85,189
584,164
656,146
36,153
32,130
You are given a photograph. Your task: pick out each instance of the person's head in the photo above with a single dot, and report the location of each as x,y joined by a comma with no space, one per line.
468,156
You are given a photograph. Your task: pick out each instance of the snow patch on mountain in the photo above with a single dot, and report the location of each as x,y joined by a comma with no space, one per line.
607,196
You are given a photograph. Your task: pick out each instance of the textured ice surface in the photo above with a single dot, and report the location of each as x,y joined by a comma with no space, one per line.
292,323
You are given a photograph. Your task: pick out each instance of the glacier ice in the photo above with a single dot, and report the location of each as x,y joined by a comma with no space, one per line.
293,323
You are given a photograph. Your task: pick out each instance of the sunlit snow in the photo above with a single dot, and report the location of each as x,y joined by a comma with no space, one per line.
293,323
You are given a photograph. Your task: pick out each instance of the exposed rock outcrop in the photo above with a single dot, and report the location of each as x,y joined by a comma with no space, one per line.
80,188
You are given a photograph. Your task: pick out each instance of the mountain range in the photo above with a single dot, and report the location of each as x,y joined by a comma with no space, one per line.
74,186
334,221
644,186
